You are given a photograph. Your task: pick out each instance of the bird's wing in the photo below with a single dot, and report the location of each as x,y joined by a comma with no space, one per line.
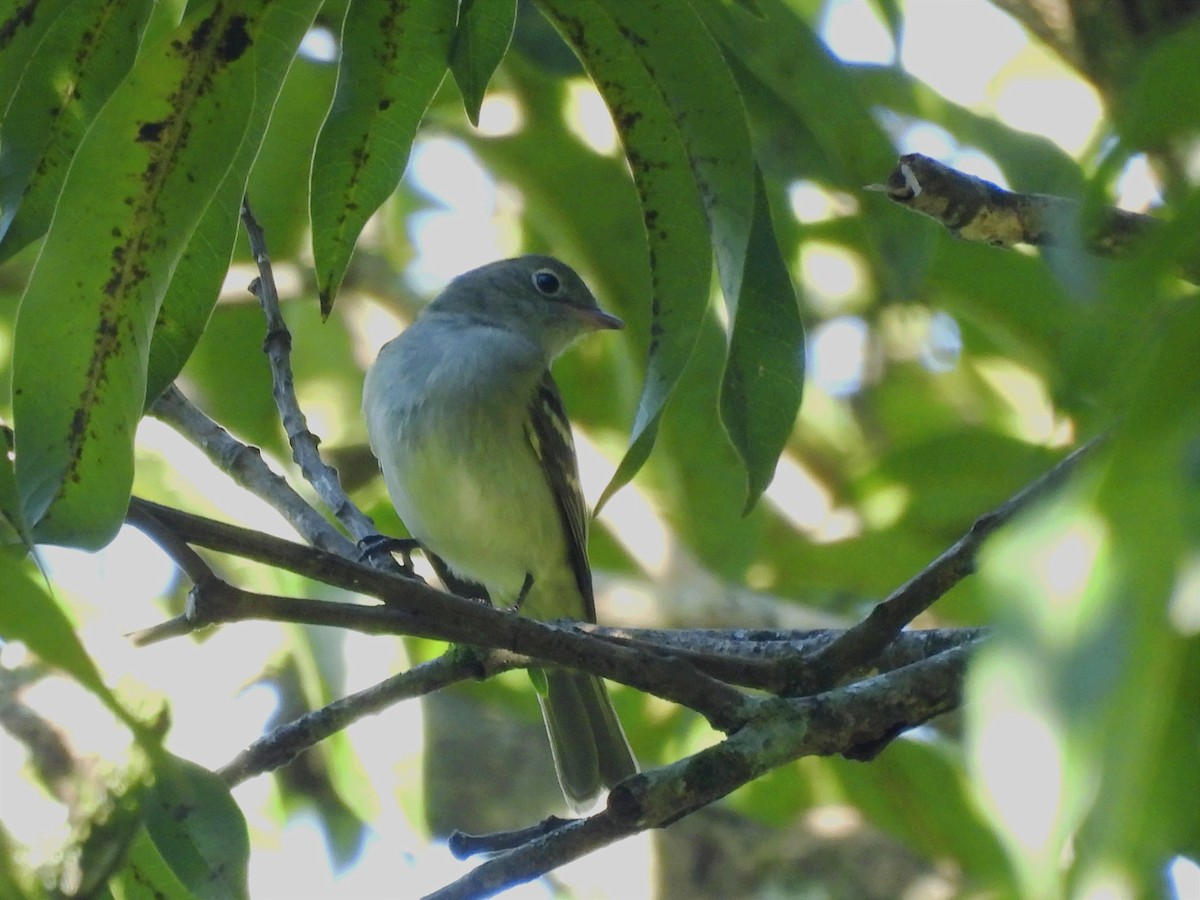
549,434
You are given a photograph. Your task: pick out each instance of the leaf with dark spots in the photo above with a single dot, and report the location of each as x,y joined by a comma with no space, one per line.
150,132
197,278
391,66
683,129
201,36
235,40
50,94
126,213
22,18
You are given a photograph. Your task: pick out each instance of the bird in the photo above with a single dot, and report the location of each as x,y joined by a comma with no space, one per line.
477,454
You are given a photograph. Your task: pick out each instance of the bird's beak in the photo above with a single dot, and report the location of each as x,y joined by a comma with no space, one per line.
599,319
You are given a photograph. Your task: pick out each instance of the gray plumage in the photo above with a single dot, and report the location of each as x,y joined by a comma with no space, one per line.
477,455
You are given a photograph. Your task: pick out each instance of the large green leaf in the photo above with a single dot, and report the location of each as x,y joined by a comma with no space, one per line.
198,829
764,374
787,55
394,57
78,64
481,39
200,272
662,171
687,68
141,181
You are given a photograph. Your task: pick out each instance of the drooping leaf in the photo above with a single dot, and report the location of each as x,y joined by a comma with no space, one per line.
672,215
786,54
30,615
764,373
198,829
481,39
197,278
142,178
394,57
79,62
687,68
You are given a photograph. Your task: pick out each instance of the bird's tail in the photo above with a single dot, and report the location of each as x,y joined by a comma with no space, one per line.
590,749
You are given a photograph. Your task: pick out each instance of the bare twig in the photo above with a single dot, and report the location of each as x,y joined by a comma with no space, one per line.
278,347
246,466
767,660
285,743
862,642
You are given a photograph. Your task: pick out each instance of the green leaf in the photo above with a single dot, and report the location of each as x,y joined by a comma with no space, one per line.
485,28
14,881
198,829
1160,100
78,64
674,221
394,57
30,615
13,527
764,372
687,68
198,277
786,55
145,874
142,178
22,28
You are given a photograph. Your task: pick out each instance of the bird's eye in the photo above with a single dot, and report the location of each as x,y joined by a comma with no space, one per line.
546,282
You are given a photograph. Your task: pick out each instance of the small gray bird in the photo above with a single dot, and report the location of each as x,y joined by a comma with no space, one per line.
477,454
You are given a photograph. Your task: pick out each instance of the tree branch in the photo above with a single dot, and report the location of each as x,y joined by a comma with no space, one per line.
285,743
861,713
862,642
246,466
978,210
278,346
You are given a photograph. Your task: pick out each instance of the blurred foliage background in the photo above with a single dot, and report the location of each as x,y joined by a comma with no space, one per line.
942,377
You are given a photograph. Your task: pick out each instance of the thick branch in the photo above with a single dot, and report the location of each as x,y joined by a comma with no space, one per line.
413,608
978,210
862,713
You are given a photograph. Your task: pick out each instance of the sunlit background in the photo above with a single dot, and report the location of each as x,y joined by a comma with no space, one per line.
216,714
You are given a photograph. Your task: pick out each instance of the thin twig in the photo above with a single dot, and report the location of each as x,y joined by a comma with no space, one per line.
246,466
864,641
285,743
191,562
304,444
